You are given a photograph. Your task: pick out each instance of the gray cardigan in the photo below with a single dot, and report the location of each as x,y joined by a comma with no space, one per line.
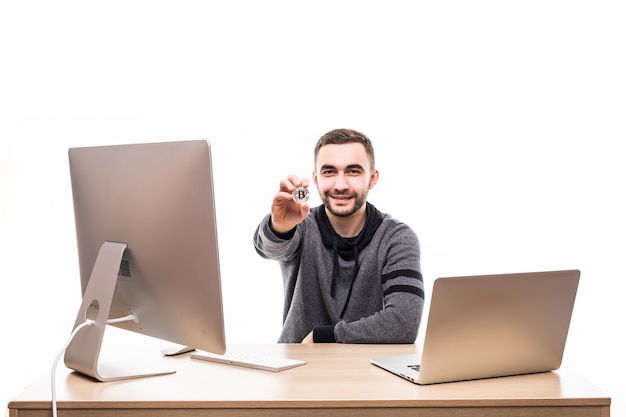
383,303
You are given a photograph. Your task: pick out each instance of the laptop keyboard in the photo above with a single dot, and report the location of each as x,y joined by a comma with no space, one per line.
414,367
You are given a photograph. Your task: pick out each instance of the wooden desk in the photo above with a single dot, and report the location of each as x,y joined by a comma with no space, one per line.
338,380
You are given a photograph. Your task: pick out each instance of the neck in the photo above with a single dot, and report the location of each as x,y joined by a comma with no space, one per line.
350,226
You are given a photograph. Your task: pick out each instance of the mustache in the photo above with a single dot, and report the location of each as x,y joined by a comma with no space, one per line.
339,194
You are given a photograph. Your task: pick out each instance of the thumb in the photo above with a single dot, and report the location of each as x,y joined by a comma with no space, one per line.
304,210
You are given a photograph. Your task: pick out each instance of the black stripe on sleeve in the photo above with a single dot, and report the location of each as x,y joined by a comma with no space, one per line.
409,273
404,288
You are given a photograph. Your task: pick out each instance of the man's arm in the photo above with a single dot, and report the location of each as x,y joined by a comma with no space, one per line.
403,299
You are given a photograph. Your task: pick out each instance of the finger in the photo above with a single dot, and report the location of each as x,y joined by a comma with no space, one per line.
304,210
297,181
287,186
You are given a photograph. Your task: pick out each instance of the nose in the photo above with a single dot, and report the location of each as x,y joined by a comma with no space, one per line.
340,182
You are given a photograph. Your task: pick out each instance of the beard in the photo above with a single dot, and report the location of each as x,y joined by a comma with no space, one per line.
344,211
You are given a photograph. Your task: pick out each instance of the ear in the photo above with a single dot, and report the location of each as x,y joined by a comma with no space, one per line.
314,176
373,178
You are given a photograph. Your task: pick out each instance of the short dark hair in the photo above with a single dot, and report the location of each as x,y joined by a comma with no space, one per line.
341,136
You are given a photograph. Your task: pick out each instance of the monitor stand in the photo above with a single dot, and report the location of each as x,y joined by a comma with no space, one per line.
83,352
177,350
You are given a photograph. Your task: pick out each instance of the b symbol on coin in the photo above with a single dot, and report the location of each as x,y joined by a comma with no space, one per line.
300,195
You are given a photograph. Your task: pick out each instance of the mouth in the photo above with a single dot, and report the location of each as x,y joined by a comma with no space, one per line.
341,198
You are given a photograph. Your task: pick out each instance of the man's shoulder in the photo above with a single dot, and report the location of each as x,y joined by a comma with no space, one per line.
390,220
393,225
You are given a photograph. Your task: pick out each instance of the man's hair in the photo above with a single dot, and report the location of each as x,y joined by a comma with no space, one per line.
342,136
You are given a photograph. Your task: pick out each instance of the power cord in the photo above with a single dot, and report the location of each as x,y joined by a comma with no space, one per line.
78,328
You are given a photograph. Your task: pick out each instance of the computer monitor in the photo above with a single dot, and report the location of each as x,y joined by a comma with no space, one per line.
147,246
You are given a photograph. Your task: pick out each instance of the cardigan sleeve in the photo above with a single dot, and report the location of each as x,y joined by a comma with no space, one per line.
403,295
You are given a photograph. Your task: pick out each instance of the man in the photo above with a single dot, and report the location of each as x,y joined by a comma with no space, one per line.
351,274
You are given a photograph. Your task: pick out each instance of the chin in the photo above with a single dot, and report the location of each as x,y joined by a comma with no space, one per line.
342,211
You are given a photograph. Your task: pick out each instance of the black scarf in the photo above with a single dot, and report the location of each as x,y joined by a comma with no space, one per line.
348,249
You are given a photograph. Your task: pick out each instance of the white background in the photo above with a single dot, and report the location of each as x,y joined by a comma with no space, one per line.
497,128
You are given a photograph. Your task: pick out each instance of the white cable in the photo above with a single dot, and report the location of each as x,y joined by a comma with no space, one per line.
67,343
130,317
56,361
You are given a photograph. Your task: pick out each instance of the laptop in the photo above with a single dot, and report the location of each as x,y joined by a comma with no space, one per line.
491,326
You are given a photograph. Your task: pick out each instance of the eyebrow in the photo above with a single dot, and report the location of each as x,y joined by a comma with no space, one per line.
352,166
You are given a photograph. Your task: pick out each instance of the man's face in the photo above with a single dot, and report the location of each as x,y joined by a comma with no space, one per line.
343,176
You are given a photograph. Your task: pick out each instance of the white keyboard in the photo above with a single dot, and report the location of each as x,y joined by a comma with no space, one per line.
250,360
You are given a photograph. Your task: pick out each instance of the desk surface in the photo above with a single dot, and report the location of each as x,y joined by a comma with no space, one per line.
337,380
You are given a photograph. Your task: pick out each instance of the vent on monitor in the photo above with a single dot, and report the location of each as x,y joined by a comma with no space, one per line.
124,268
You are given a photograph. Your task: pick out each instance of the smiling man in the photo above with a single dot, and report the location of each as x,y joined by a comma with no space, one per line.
351,274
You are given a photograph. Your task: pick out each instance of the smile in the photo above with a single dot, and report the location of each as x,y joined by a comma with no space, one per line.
341,197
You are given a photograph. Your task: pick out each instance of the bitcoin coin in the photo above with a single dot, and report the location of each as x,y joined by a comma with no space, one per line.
300,195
